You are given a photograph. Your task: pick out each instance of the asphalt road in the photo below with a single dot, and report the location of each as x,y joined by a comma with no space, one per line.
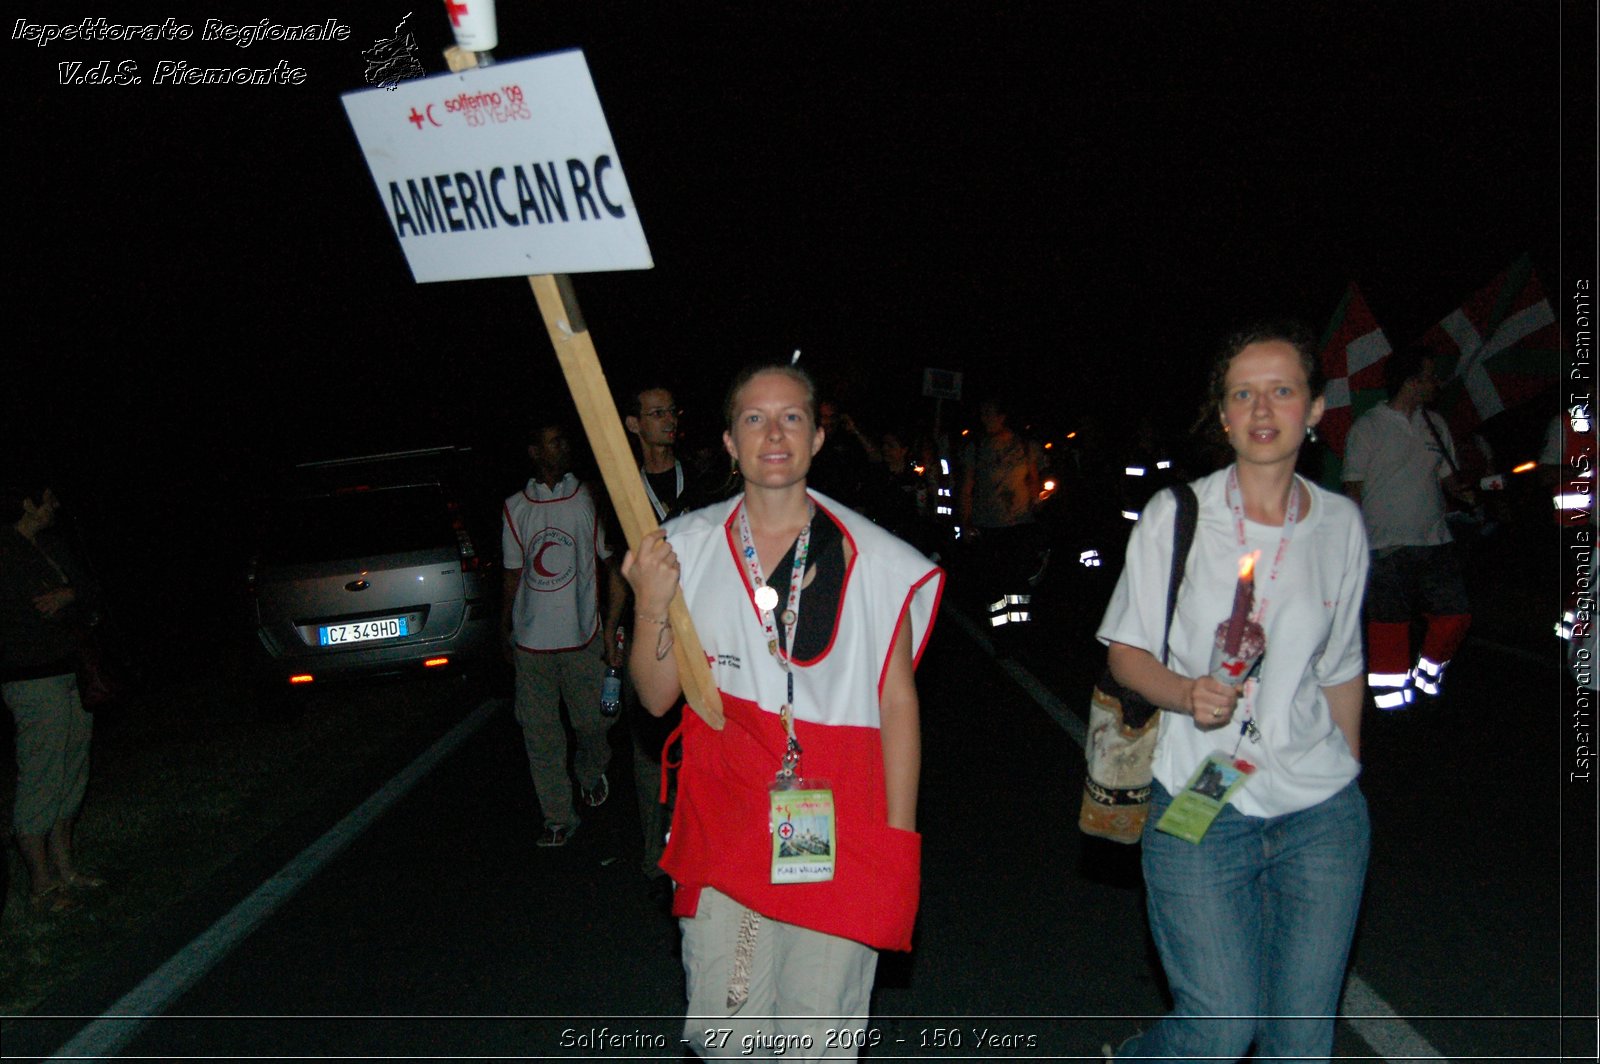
441,932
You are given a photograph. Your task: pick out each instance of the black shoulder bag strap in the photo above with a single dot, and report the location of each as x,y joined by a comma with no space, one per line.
1182,539
1135,710
1444,452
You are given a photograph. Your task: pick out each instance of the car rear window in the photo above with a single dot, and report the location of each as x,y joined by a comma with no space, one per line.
357,523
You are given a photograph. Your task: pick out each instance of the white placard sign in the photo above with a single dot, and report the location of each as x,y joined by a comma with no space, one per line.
503,171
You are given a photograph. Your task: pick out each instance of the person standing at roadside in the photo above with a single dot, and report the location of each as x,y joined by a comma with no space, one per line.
1399,462
43,593
556,559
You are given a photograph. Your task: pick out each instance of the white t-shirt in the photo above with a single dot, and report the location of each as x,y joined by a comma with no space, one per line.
1313,629
1399,465
553,536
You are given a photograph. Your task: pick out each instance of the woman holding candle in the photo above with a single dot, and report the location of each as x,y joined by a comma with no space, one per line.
813,619
1254,920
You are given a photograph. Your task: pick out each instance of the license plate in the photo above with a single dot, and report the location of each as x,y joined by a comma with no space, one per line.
361,631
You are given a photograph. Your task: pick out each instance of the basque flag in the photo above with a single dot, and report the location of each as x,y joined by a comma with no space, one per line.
1499,348
1352,354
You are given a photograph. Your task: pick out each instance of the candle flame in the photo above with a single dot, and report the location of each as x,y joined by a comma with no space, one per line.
1247,565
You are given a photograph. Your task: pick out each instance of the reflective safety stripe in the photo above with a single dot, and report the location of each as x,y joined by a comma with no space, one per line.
1387,679
1010,617
1573,502
1428,675
1393,699
1009,600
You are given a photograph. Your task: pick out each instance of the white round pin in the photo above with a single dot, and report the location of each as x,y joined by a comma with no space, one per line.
766,598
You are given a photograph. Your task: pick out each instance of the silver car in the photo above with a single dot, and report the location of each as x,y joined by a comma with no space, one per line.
368,566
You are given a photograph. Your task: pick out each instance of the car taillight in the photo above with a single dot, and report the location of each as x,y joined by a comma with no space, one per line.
304,677
469,553
434,663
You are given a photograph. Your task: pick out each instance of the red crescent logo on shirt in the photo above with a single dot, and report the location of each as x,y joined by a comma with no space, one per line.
552,557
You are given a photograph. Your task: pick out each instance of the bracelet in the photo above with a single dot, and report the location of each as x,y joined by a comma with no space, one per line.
654,620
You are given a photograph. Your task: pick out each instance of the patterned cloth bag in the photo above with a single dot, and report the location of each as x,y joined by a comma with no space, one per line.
1121,740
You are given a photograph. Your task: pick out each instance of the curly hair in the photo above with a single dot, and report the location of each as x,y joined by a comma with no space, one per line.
1287,331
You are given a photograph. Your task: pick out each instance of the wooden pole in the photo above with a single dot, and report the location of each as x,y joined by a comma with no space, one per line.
558,304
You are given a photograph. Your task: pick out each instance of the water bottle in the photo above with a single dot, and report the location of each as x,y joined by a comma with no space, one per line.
611,686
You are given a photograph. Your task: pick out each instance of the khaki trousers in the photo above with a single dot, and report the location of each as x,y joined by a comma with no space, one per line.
52,751
809,991
544,681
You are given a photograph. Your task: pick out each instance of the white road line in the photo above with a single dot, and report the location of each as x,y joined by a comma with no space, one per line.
1389,1036
1367,1014
121,1023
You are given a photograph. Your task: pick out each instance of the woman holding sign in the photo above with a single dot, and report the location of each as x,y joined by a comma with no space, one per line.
1256,846
794,844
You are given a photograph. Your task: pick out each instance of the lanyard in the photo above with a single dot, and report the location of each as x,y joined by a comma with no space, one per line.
791,619
1291,514
655,500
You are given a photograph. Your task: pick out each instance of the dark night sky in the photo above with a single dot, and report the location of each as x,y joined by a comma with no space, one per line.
1072,200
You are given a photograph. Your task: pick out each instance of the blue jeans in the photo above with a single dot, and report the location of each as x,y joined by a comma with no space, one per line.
1254,926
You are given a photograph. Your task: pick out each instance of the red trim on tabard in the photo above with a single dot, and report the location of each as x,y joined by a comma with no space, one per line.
844,588
750,591
505,509
905,611
541,502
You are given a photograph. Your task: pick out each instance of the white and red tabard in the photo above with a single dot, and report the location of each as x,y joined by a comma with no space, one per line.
720,831
552,536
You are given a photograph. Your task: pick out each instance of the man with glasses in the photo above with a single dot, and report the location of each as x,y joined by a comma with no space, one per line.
654,420
651,415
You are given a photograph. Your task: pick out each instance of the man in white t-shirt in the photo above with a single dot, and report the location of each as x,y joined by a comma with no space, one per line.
552,541
1399,462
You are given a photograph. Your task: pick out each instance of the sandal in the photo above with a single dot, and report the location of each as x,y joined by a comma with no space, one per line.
52,901
83,881
556,834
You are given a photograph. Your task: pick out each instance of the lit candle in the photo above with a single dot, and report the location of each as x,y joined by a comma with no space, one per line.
1244,596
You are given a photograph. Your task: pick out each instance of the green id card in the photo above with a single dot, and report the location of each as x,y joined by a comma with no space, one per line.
1200,802
803,835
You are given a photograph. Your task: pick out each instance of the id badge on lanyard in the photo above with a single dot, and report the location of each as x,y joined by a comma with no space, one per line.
800,820
1200,802
1220,775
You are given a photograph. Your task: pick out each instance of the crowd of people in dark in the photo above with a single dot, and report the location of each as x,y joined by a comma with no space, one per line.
809,549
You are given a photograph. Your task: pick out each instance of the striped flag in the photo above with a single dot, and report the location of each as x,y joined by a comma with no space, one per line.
1499,348
1352,354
